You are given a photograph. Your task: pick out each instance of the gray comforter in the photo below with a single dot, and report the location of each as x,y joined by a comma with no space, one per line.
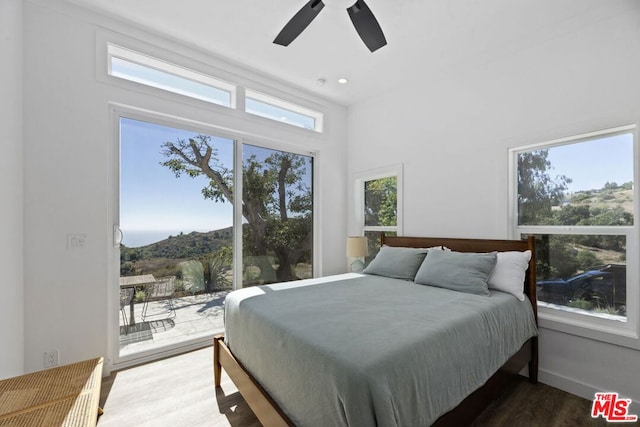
363,350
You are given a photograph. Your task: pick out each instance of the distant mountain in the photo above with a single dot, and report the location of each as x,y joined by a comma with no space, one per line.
189,245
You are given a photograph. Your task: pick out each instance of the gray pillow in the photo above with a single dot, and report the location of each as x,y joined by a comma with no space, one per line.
459,271
395,262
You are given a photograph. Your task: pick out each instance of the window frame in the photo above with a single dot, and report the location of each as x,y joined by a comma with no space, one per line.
152,63
572,321
240,139
371,175
318,117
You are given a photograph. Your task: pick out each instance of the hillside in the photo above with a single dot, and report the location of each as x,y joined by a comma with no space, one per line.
162,258
614,196
189,245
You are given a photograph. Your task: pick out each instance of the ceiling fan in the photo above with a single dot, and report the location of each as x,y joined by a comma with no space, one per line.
363,20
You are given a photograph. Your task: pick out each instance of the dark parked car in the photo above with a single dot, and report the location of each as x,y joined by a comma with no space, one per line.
603,286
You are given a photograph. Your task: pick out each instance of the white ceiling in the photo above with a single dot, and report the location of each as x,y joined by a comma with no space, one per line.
426,38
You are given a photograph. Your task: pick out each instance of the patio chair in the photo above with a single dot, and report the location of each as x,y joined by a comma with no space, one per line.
162,289
126,294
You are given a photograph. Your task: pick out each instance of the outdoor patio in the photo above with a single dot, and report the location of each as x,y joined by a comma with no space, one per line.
195,316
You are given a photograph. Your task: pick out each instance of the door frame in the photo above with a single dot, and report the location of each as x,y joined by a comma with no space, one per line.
240,138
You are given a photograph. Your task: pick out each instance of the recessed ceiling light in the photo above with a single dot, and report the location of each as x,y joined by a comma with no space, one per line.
343,81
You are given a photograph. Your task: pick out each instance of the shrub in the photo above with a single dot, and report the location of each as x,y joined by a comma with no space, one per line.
192,275
581,304
140,296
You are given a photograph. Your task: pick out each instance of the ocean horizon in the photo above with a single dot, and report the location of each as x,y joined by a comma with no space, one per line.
138,238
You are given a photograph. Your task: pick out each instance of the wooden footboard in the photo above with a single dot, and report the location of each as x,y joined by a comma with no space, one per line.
265,409
270,414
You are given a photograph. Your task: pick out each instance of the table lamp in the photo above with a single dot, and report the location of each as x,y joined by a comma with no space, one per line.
357,249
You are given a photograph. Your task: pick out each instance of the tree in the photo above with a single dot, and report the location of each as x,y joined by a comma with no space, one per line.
381,201
275,202
537,190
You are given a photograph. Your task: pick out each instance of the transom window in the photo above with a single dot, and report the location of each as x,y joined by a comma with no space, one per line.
149,71
136,67
282,111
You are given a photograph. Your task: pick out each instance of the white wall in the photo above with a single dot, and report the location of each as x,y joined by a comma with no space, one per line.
68,187
452,132
11,186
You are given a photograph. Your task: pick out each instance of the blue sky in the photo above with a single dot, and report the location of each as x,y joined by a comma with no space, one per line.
591,164
153,202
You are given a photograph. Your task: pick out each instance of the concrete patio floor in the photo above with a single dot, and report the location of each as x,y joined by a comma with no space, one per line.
195,316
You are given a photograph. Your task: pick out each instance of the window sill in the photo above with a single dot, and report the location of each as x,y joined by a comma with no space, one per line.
601,327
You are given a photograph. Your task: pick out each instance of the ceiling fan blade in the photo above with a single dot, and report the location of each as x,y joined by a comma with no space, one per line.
366,25
299,22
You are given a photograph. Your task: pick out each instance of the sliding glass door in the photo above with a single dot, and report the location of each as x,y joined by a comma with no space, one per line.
277,210
179,245
176,218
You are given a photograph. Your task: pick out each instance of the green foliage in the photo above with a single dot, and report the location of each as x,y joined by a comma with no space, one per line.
622,311
183,245
276,202
586,260
140,296
221,178
581,304
583,212
127,269
192,276
610,186
161,258
538,192
555,257
558,255
381,201
581,197
589,305
217,268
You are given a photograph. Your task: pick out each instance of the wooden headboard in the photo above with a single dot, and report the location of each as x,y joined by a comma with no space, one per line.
477,245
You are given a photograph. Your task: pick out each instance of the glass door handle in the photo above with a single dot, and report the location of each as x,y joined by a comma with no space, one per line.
117,236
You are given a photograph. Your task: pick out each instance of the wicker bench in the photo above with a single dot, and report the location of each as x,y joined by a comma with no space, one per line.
63,396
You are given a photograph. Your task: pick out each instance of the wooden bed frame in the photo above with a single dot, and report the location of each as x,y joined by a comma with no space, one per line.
270,414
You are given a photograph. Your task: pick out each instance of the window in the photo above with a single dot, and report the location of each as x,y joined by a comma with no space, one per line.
282,111
577,196
379,206
140,68
136,67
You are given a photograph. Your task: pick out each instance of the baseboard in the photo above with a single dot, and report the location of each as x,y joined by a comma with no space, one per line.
580,388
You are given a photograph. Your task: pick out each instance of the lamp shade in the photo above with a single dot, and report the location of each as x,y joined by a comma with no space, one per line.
357,246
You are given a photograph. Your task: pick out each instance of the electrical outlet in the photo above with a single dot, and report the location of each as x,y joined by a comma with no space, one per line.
51,358
76,241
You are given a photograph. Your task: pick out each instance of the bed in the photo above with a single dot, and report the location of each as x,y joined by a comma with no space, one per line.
367,349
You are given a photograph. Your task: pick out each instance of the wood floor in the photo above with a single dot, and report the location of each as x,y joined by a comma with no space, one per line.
179,392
